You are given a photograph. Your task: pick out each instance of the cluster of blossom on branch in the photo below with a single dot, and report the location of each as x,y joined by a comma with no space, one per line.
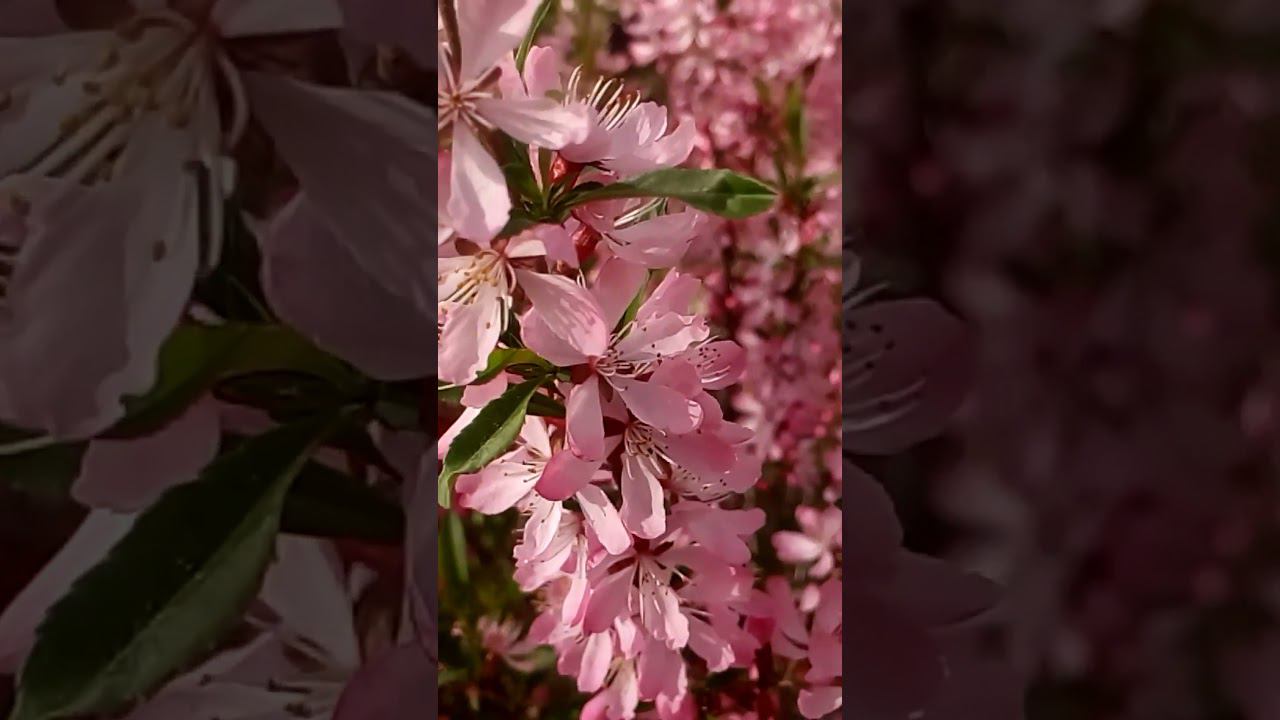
635,529
214,256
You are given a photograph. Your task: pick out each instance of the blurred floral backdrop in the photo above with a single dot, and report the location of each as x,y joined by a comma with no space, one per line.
1092,187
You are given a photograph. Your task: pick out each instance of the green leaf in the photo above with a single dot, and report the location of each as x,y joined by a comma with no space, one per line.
167,592
326,503
489,435
503,358
543,406
720,192
196,357
793,118
453,553
44,473
539,17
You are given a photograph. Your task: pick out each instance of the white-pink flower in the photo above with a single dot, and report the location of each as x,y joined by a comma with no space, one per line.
820,537
470,104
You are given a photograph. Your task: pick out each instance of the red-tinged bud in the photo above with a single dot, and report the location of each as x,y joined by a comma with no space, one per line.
585,240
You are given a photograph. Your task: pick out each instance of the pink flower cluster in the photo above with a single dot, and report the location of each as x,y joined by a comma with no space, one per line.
635,536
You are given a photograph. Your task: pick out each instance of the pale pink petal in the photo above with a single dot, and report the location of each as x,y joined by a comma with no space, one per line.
442,446
658,242
819,702
704,641
91,299
471,332
871,523
596,658
498,487
720,364
542,70
937,593
794,547
397,684
679,375
564,475
659,671
673,295
305,587
89,545
568,310
704,455
542,525
609,600
315,284
542,122
128,475
643,511
906,372
482,394
243,18
616,286
490,29
603,519
337,139
557,244
825,657
584,421
659,406
540,339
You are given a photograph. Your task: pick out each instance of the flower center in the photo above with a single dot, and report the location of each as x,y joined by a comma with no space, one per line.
606,98
155,64
486,269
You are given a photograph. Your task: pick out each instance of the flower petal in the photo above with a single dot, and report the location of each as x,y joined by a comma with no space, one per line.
615,287
128,475
584,421
540,339
397,684
658,242
489,29
603,519
659,406
564,475
596,659
608,601
337,139
471,332
542,122
315,284
569,311
643,511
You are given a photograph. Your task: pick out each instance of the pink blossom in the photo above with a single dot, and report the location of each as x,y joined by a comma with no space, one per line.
488,30
816,544
139,179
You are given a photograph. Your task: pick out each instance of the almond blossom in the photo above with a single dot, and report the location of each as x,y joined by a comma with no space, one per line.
134,131
480,33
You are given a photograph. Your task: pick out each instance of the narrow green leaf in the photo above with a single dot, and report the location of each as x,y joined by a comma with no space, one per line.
489,435
196,357
720,192
453,548
324,502
167,592
543,406
44,473
539,17
503,358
